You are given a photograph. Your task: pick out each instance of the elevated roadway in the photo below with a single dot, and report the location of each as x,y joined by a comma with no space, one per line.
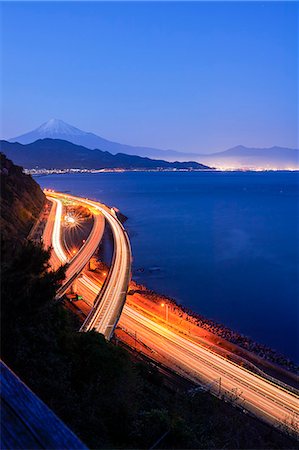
111,298
266,400
76,264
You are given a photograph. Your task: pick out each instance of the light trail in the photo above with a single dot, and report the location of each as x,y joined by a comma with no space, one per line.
77,263
256,394
110,300
260,396
56,240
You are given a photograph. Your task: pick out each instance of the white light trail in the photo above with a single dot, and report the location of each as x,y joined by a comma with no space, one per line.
56,238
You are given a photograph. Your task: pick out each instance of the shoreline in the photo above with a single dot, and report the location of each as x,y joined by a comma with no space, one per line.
270,359
246,344
45,172
206,332
195,327
234,345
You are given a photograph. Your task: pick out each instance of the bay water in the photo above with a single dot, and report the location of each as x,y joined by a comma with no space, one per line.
224,244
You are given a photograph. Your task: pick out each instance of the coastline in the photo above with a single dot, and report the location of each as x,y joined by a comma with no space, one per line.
37,173
237,348
221,335
244,345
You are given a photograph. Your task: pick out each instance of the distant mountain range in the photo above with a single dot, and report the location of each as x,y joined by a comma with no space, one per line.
61,154
237,157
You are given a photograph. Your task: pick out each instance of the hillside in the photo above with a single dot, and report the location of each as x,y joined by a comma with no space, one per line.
21,201
60,154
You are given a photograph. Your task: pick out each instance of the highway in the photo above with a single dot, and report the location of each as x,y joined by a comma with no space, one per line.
111,298
77,263
55,262
251,392
264,399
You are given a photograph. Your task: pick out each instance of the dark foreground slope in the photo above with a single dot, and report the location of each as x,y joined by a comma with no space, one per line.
108,399
105,397
59,154
21,201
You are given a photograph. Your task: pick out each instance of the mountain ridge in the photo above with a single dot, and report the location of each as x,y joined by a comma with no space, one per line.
62,154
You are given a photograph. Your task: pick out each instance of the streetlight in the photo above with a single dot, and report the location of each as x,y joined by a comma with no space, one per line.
166,310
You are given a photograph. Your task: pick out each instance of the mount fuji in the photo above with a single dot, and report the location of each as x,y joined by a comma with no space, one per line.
58,129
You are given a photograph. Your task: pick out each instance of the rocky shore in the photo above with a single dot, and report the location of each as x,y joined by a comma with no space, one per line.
220,330
250,350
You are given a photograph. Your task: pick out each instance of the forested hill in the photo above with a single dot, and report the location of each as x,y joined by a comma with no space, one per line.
60,154
21,200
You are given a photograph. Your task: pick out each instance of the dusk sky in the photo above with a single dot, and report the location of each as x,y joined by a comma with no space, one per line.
197,76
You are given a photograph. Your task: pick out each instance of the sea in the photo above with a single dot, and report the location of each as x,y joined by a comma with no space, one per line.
224,244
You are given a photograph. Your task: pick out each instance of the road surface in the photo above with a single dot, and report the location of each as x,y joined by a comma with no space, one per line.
264,399
251,392
55,262
76,264
111,298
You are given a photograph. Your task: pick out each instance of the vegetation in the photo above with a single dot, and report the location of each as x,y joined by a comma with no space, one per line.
60,154
94,386
21,201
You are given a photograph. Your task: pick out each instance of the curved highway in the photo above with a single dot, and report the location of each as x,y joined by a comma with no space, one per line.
55,262
76,264
110,300
251,392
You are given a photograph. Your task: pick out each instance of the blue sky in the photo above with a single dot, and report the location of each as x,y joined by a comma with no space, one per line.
188,76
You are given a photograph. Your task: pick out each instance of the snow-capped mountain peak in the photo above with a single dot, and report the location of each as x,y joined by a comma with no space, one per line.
57,127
